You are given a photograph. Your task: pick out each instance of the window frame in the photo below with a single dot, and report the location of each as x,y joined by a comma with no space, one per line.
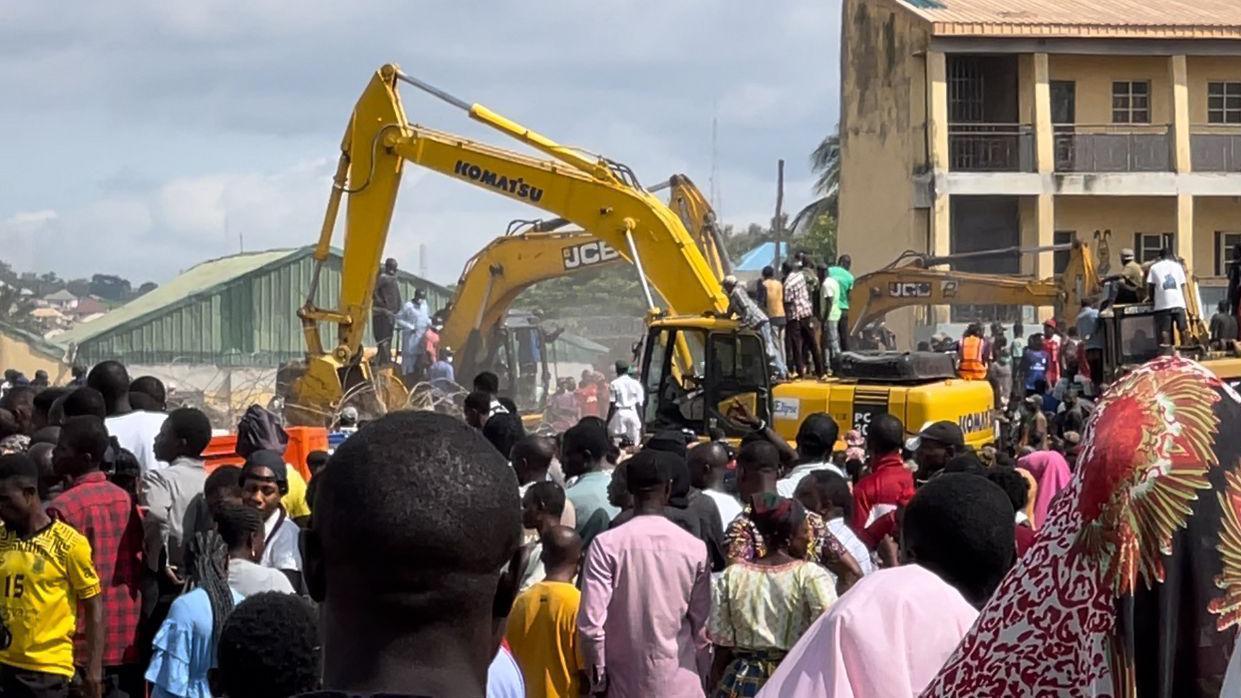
1224,91
1141,248
1127,112
1060,260
1222,248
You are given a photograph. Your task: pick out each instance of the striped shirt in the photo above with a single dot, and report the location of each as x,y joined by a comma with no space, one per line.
797,305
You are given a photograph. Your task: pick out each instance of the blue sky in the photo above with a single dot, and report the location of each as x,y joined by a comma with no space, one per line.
144,137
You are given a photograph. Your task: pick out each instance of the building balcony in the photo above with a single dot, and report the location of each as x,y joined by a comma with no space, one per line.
1113,148
979,147
1216,147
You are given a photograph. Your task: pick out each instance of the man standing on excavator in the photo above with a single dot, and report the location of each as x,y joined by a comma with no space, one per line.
414,319
385,303
751,317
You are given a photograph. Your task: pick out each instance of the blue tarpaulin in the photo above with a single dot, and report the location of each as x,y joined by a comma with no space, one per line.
761,256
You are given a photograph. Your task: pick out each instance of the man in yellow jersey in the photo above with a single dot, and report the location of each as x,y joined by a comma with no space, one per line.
542,628
45,572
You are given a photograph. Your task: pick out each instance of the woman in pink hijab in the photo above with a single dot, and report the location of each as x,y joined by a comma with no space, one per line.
1052,472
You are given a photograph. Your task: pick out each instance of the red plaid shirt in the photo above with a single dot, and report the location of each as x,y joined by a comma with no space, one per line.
106,515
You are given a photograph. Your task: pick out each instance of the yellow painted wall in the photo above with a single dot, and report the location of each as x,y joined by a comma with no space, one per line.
1204,69
1124,215
19,353
1094,76
883,137
1213,214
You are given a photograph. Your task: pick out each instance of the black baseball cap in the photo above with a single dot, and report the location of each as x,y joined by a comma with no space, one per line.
669,441
648,469
944,432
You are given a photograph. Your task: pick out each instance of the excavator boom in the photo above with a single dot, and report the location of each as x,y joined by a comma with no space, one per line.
601,196
917,284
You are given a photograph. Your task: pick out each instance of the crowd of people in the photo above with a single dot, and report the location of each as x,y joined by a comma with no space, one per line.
124,566
436,555
1046,384
802,314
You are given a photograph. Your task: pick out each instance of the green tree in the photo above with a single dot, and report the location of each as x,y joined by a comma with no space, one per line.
15,310
613,290
825,163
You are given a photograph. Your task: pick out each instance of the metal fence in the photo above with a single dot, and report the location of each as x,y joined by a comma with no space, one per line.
1113,148
1216,148
978,147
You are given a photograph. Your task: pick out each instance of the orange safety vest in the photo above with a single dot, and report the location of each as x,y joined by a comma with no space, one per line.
972,367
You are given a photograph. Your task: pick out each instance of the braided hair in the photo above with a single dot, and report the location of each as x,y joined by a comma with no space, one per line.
207,560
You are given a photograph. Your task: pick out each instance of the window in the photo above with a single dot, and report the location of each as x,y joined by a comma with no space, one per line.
1146,246
1131,102
1224,244
1224,102
1060,261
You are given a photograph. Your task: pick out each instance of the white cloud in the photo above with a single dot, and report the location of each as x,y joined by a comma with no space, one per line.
194,123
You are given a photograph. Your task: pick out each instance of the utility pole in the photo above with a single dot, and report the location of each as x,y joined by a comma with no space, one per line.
778,225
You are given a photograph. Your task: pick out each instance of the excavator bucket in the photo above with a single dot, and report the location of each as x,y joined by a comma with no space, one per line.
316,391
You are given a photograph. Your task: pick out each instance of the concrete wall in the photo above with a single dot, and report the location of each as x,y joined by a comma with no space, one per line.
1211,215
1094,76
883,137
1204,69
29,355
1125,216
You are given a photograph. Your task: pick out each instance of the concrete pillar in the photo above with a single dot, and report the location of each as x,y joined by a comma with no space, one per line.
1044,134
937,110
1185,229
941,245
1179,136
937,148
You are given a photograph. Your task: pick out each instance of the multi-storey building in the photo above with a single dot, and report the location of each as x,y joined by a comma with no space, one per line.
982,124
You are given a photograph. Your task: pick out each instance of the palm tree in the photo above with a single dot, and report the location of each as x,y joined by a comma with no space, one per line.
825,163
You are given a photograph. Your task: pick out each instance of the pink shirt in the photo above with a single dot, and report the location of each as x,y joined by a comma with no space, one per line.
646,598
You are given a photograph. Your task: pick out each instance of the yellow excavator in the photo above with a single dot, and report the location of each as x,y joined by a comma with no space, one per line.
1129,334
697,362
478,322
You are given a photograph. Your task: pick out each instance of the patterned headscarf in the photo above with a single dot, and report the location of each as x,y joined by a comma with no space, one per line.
776,517
1133,587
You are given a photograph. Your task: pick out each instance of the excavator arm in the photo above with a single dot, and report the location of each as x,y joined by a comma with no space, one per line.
917,283
494,277
601,196
696,213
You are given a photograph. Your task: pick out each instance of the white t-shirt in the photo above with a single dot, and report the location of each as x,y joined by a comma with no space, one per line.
626,392
1168,276
853,544
728,505
787,485
281,551
248,579
136,433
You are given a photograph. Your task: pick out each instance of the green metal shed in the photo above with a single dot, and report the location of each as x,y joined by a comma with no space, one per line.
239,310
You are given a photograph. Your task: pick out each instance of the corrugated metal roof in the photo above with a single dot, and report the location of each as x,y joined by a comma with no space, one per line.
198,279
1166,19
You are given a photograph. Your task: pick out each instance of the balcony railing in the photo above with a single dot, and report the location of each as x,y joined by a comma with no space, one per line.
1216,148
991,147
1113,148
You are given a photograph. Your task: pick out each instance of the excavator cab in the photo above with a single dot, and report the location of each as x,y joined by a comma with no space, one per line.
1130,338
693,374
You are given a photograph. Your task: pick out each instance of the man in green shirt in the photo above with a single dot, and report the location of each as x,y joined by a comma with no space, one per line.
844,279
830,305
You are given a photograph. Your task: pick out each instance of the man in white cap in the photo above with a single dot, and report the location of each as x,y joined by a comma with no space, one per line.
751,317
626,397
